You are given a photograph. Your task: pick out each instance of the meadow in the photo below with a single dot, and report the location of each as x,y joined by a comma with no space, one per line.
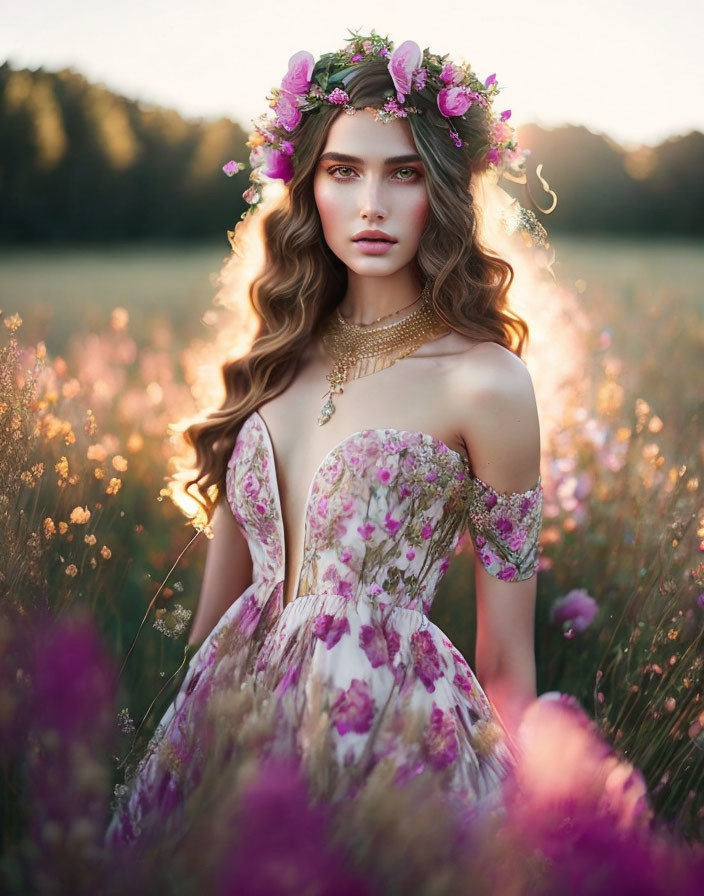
103,348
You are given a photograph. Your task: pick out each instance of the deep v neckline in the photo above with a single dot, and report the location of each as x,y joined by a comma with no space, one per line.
336,448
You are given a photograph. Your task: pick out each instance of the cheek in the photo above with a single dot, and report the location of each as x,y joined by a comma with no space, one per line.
417,211
328,205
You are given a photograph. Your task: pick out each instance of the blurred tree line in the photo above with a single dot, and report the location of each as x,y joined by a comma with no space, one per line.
78,162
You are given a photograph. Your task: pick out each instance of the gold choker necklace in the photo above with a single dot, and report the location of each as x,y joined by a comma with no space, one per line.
359,350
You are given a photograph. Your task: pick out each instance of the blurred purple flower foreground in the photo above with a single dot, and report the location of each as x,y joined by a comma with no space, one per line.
68,765
575,612
282,845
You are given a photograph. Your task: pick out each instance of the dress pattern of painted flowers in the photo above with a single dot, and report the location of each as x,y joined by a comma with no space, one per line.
353,657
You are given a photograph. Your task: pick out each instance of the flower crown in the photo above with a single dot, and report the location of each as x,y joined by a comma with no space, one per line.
308,86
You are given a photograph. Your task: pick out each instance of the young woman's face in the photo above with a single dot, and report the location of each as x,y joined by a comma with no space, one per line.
371,178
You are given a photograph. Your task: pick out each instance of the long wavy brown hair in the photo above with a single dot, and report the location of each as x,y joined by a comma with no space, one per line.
302,281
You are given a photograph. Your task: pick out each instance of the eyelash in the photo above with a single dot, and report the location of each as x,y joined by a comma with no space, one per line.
333,169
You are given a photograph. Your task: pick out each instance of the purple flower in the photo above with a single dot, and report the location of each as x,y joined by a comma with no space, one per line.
287,112
329,629
420,78
454,101
508,573
426,659
450,75
405,59
357,57
504,526
440,740
338,97
490,80
493,157
373,643
276,816
366,530
290,679
391,525
700,601
277,165
576,610
353,709
300,70
232,167
426,531
463,680
392,106
490,501
505,115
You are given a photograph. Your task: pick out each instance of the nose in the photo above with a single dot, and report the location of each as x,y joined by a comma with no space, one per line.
373,203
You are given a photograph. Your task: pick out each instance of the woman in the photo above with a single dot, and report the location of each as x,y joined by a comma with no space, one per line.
381,411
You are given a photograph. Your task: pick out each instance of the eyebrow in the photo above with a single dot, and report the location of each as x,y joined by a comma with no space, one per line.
343,157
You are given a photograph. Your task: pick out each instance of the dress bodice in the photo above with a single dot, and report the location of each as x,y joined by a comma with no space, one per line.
384,513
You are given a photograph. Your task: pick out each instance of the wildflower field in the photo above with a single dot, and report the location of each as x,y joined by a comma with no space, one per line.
100,572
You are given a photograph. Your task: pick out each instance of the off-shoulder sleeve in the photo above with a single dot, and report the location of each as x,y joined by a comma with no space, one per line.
505,529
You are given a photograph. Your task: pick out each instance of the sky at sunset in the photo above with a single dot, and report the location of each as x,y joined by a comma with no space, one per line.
633,70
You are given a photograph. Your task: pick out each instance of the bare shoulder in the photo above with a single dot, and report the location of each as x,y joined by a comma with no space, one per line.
491,394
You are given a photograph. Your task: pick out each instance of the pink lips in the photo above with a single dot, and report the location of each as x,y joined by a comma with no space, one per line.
373,242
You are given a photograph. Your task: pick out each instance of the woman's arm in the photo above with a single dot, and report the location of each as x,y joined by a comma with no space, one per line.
502,435
228,572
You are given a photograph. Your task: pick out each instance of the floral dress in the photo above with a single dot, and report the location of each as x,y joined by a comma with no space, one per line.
353,661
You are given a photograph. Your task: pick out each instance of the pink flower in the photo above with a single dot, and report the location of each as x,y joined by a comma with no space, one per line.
420,78
277,165
410,554
508,573
576,610
322,507
440,741
504,526
392,106
251,195
391,525
384,475
493,157
374,590
454,101
517,540
366,530
345,555
405,59
353,709
232,167
432,476
357,57
373,643
338,97
300,70
505,115
451,75
329,629
463,681
426,531
490,80
290,679
490,501
426,659
287,112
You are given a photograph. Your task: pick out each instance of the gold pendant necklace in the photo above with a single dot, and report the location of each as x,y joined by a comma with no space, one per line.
359,350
